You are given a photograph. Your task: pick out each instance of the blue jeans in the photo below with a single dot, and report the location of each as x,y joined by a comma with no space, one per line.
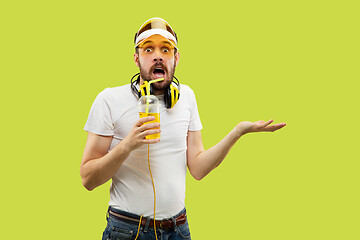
118,229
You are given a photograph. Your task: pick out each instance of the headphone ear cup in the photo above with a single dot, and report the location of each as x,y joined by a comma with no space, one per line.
167,97
171,96
172,90
175,94
134,89
140,92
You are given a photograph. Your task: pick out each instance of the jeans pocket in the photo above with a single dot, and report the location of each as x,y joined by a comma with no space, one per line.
183,231
117,233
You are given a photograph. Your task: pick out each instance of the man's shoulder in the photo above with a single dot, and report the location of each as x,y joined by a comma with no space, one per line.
119,91
185,89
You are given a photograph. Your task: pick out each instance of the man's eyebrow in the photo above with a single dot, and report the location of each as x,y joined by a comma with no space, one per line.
164,42
168,45
147,42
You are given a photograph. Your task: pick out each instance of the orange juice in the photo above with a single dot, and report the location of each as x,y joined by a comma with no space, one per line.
157,119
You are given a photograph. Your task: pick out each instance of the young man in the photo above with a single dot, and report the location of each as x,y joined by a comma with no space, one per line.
117,149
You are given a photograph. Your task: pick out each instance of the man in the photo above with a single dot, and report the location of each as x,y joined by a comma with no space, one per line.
117,147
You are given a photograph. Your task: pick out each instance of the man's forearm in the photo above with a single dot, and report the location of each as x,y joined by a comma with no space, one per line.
201,162
97,167
209,159
98,171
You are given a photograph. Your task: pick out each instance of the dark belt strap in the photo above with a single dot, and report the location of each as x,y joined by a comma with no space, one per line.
163,224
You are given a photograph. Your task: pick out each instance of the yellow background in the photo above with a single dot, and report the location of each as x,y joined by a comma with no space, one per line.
291,61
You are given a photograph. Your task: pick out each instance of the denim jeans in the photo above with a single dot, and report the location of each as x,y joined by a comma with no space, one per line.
118,229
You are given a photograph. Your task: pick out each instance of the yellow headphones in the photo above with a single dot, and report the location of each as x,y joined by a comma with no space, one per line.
171,93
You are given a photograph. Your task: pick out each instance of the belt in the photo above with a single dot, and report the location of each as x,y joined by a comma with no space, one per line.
163,224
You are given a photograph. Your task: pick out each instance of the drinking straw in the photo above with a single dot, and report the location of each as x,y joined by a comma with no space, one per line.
148,92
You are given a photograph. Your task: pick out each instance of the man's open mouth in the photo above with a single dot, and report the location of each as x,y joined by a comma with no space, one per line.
159,72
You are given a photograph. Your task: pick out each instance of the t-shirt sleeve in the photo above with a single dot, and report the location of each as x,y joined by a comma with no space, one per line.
99,120
195,123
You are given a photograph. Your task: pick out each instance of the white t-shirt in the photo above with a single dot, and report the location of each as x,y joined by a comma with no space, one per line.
113,113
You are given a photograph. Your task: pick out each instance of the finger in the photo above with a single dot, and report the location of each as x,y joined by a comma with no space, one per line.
143,120
148,126
149,132
274,127
264,124
261,121
270,121
151,141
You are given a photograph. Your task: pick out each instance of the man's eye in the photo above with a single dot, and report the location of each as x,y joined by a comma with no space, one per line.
148,50
165,50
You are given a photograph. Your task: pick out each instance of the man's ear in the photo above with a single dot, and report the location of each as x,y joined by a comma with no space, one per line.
136,59
177,58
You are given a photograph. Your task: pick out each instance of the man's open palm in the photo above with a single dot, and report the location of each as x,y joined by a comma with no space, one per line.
259,126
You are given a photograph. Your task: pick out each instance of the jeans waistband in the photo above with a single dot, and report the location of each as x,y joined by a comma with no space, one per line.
132,215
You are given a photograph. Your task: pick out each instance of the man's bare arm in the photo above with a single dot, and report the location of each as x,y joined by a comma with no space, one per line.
98,165
201,162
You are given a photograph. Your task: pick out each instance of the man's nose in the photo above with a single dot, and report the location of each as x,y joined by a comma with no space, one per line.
157,57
